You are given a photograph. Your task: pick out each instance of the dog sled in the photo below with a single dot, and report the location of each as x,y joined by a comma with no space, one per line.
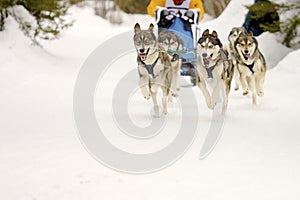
187,28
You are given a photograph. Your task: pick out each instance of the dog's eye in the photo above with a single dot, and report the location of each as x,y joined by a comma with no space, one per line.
249,44
202,46
211,46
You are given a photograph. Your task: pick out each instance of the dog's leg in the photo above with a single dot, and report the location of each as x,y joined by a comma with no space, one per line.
226,95
244,84
251,83
174,84
144,84
157,83
236,76
155,107
178,74
165,99
259,81
218,92
175,77
208,99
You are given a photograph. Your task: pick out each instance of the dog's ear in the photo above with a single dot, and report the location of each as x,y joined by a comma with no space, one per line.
205,33
214,34
244,30
241,34
151,27
219,43
137,27
250,34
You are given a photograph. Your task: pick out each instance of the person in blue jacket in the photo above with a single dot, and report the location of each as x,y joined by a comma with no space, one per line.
263,16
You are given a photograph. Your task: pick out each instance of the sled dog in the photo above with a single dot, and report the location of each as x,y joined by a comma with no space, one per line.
215,70
232,37
154,67
172,44
251,65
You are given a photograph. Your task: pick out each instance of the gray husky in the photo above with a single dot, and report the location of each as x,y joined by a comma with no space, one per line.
215,70
251,65
172,44
154,67
232,37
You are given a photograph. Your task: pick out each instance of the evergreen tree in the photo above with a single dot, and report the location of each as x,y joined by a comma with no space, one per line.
290,23
45,20
263,15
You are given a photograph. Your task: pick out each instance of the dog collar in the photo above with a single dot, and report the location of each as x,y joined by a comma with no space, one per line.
150,67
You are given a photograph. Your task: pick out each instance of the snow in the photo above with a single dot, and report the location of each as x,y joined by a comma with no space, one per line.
41,156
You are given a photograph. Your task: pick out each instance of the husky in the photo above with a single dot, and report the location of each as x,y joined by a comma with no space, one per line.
154,67
215,69
172,44
251,65
232,37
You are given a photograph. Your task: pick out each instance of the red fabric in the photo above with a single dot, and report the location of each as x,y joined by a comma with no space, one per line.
178,2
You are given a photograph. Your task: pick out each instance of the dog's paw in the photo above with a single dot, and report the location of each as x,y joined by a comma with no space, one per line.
245,93
174,94
261,94
236,88
147,96
210,105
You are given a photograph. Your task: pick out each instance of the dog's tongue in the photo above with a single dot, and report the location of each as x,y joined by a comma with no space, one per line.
143,56
247,56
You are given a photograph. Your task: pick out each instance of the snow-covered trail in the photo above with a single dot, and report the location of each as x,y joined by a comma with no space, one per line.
41,156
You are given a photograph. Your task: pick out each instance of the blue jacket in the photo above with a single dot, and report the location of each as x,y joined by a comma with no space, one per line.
253,24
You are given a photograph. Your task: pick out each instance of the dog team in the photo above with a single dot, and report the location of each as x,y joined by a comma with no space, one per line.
159,65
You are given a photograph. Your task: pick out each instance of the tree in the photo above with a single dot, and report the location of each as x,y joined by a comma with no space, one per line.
38,19
290,23
264,15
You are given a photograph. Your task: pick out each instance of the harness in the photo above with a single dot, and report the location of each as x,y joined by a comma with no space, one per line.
250,67
225,61
210,70
150,67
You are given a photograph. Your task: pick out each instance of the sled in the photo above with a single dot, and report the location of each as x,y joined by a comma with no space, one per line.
187,28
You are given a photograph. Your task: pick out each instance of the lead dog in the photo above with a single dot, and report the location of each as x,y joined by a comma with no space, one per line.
215,70
154,67
251,65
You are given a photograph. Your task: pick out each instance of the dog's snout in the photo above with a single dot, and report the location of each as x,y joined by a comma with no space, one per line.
246,51
204,55
142,50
